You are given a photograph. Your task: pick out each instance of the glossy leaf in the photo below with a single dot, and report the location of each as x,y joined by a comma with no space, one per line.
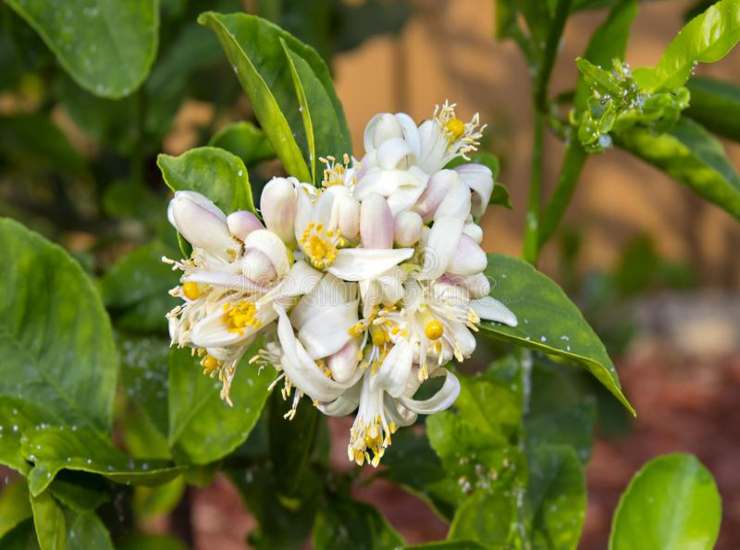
136,288
269,89
203,428
556,497
14,505
715,104
150,542
49,522
547,320
705,39
21,537
217,174
449,545
56,340
107,46
53,448
244,140
345,524
81,491
17,417
486,518
158,501
692,156
285,101
672,502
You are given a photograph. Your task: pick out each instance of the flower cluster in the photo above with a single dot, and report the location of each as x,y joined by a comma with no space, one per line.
363,288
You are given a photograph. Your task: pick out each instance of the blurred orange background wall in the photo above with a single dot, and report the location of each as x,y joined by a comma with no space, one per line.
447,51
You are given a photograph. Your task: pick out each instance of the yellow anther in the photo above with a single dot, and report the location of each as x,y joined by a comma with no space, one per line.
356,329
433,329
455,129
378,335
192,290
320,246
210,363
241,315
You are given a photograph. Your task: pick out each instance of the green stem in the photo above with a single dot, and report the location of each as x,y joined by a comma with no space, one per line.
573,162
531,239
551,49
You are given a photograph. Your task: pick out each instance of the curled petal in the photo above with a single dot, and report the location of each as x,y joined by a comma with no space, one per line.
468,258
478,285
456,203
272,247
379,129
328,331
329,293
300,369
479,179
301,279
258,267
394,154
395,369
443,399
241,223
356,264
491,309
474,231
226,280
344,404
436,190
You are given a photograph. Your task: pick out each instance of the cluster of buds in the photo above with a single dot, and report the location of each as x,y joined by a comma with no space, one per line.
363,288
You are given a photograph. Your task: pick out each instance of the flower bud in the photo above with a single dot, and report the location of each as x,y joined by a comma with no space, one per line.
381,128
257,267
343,363
437,187
272,247
468,259
241,223
376,222
473,231
408,228
201,223
478,285
348,216
456,203
278,206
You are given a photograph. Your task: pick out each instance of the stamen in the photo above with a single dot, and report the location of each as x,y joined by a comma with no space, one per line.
241,315
463,138
433,329
192,290
210,364
319,245
335,172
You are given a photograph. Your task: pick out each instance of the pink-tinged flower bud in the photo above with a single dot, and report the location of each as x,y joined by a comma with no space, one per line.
456,203
473,231
408,228
381,128
343,363
395,154
437,188
278,207
241,223
478,285
468,259
201,223
376,222
348,216
257,267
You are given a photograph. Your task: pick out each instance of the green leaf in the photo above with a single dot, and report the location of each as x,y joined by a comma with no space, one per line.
17,418
56,338
107,46
217,174
49,522
244,140
151,542
136,288
53,448
157,501
449,545
547,320
715,104
81,491
705,39
22,537
85,530
692,156
672,502
351,525
487,518
203,428
609,41
556,497
254,48
14,506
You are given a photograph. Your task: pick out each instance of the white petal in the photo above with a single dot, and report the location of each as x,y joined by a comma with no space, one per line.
376,222
491,309
241,223
211,331
463,338
328,331
410,133
304,210
356,264
278,206
394,372
202,224
397,413
221,279
479,179
456,203
440,401
436,189
434,146
474,231
344,404
301,279
343,363
271,246
301,369
478,285
394,154
329,293
441,246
